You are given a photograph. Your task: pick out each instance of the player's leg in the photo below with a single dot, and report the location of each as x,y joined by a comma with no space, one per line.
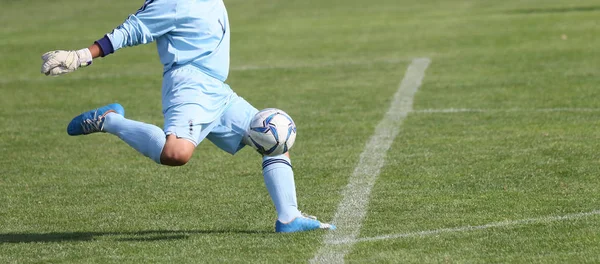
173,147
279,179
192,101
150,140
230,136
186,121
278,176
183,132
177,151
145,138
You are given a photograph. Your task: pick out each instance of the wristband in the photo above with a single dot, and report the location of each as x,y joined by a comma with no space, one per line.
105,45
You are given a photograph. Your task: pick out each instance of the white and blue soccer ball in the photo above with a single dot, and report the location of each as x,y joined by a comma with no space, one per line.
272,132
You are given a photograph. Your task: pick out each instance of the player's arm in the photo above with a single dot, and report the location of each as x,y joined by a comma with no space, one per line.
155,18
95,50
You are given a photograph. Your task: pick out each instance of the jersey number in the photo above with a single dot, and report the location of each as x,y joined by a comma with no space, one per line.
148,2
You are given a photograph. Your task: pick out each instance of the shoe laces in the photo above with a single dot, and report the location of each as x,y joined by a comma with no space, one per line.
94,124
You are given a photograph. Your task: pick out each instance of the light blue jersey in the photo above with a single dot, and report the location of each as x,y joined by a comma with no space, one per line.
192,38
185,31
188,34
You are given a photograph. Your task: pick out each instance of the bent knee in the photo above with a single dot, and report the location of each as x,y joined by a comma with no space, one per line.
177,152
175,157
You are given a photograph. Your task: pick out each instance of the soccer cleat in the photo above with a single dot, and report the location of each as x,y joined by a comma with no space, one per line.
93,120
301,224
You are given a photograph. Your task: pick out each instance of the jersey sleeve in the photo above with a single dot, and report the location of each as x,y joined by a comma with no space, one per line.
154,19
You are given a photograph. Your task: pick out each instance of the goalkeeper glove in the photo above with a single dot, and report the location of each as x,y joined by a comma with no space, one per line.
59,62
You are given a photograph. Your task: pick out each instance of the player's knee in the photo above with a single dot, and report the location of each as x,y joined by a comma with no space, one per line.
175,157
177,152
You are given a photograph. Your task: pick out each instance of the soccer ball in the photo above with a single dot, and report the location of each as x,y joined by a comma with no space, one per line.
272,132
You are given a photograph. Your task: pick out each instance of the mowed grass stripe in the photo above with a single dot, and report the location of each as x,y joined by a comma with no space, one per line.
526,110
141,70
355,197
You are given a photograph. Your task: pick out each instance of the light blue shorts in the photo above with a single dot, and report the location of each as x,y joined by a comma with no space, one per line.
188,85
226,132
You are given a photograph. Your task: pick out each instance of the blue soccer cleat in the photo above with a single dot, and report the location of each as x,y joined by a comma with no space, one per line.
93,120
301,224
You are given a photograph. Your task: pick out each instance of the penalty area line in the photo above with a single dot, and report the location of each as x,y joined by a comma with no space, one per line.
503,224
355,197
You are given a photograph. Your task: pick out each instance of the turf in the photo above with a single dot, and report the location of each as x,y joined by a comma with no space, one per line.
504,129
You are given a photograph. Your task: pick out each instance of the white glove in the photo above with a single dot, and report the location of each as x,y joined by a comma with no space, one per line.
64,61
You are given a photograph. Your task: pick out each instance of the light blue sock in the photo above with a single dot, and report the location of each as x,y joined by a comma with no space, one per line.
279,179
145,138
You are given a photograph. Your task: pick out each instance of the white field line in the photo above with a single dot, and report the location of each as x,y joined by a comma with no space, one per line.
355,197
503,224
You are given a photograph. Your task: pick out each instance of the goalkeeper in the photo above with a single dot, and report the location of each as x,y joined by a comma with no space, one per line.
192,38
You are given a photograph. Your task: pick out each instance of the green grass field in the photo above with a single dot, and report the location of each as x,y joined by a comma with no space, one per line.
504,128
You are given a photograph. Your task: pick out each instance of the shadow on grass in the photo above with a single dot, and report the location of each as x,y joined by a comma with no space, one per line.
148,235
555,10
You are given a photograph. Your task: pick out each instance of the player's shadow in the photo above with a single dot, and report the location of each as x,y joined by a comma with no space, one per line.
141,236
555,10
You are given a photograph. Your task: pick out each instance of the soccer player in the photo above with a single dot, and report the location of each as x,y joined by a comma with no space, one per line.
192,38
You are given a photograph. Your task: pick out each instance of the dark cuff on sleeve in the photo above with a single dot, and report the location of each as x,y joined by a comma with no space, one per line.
105,45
